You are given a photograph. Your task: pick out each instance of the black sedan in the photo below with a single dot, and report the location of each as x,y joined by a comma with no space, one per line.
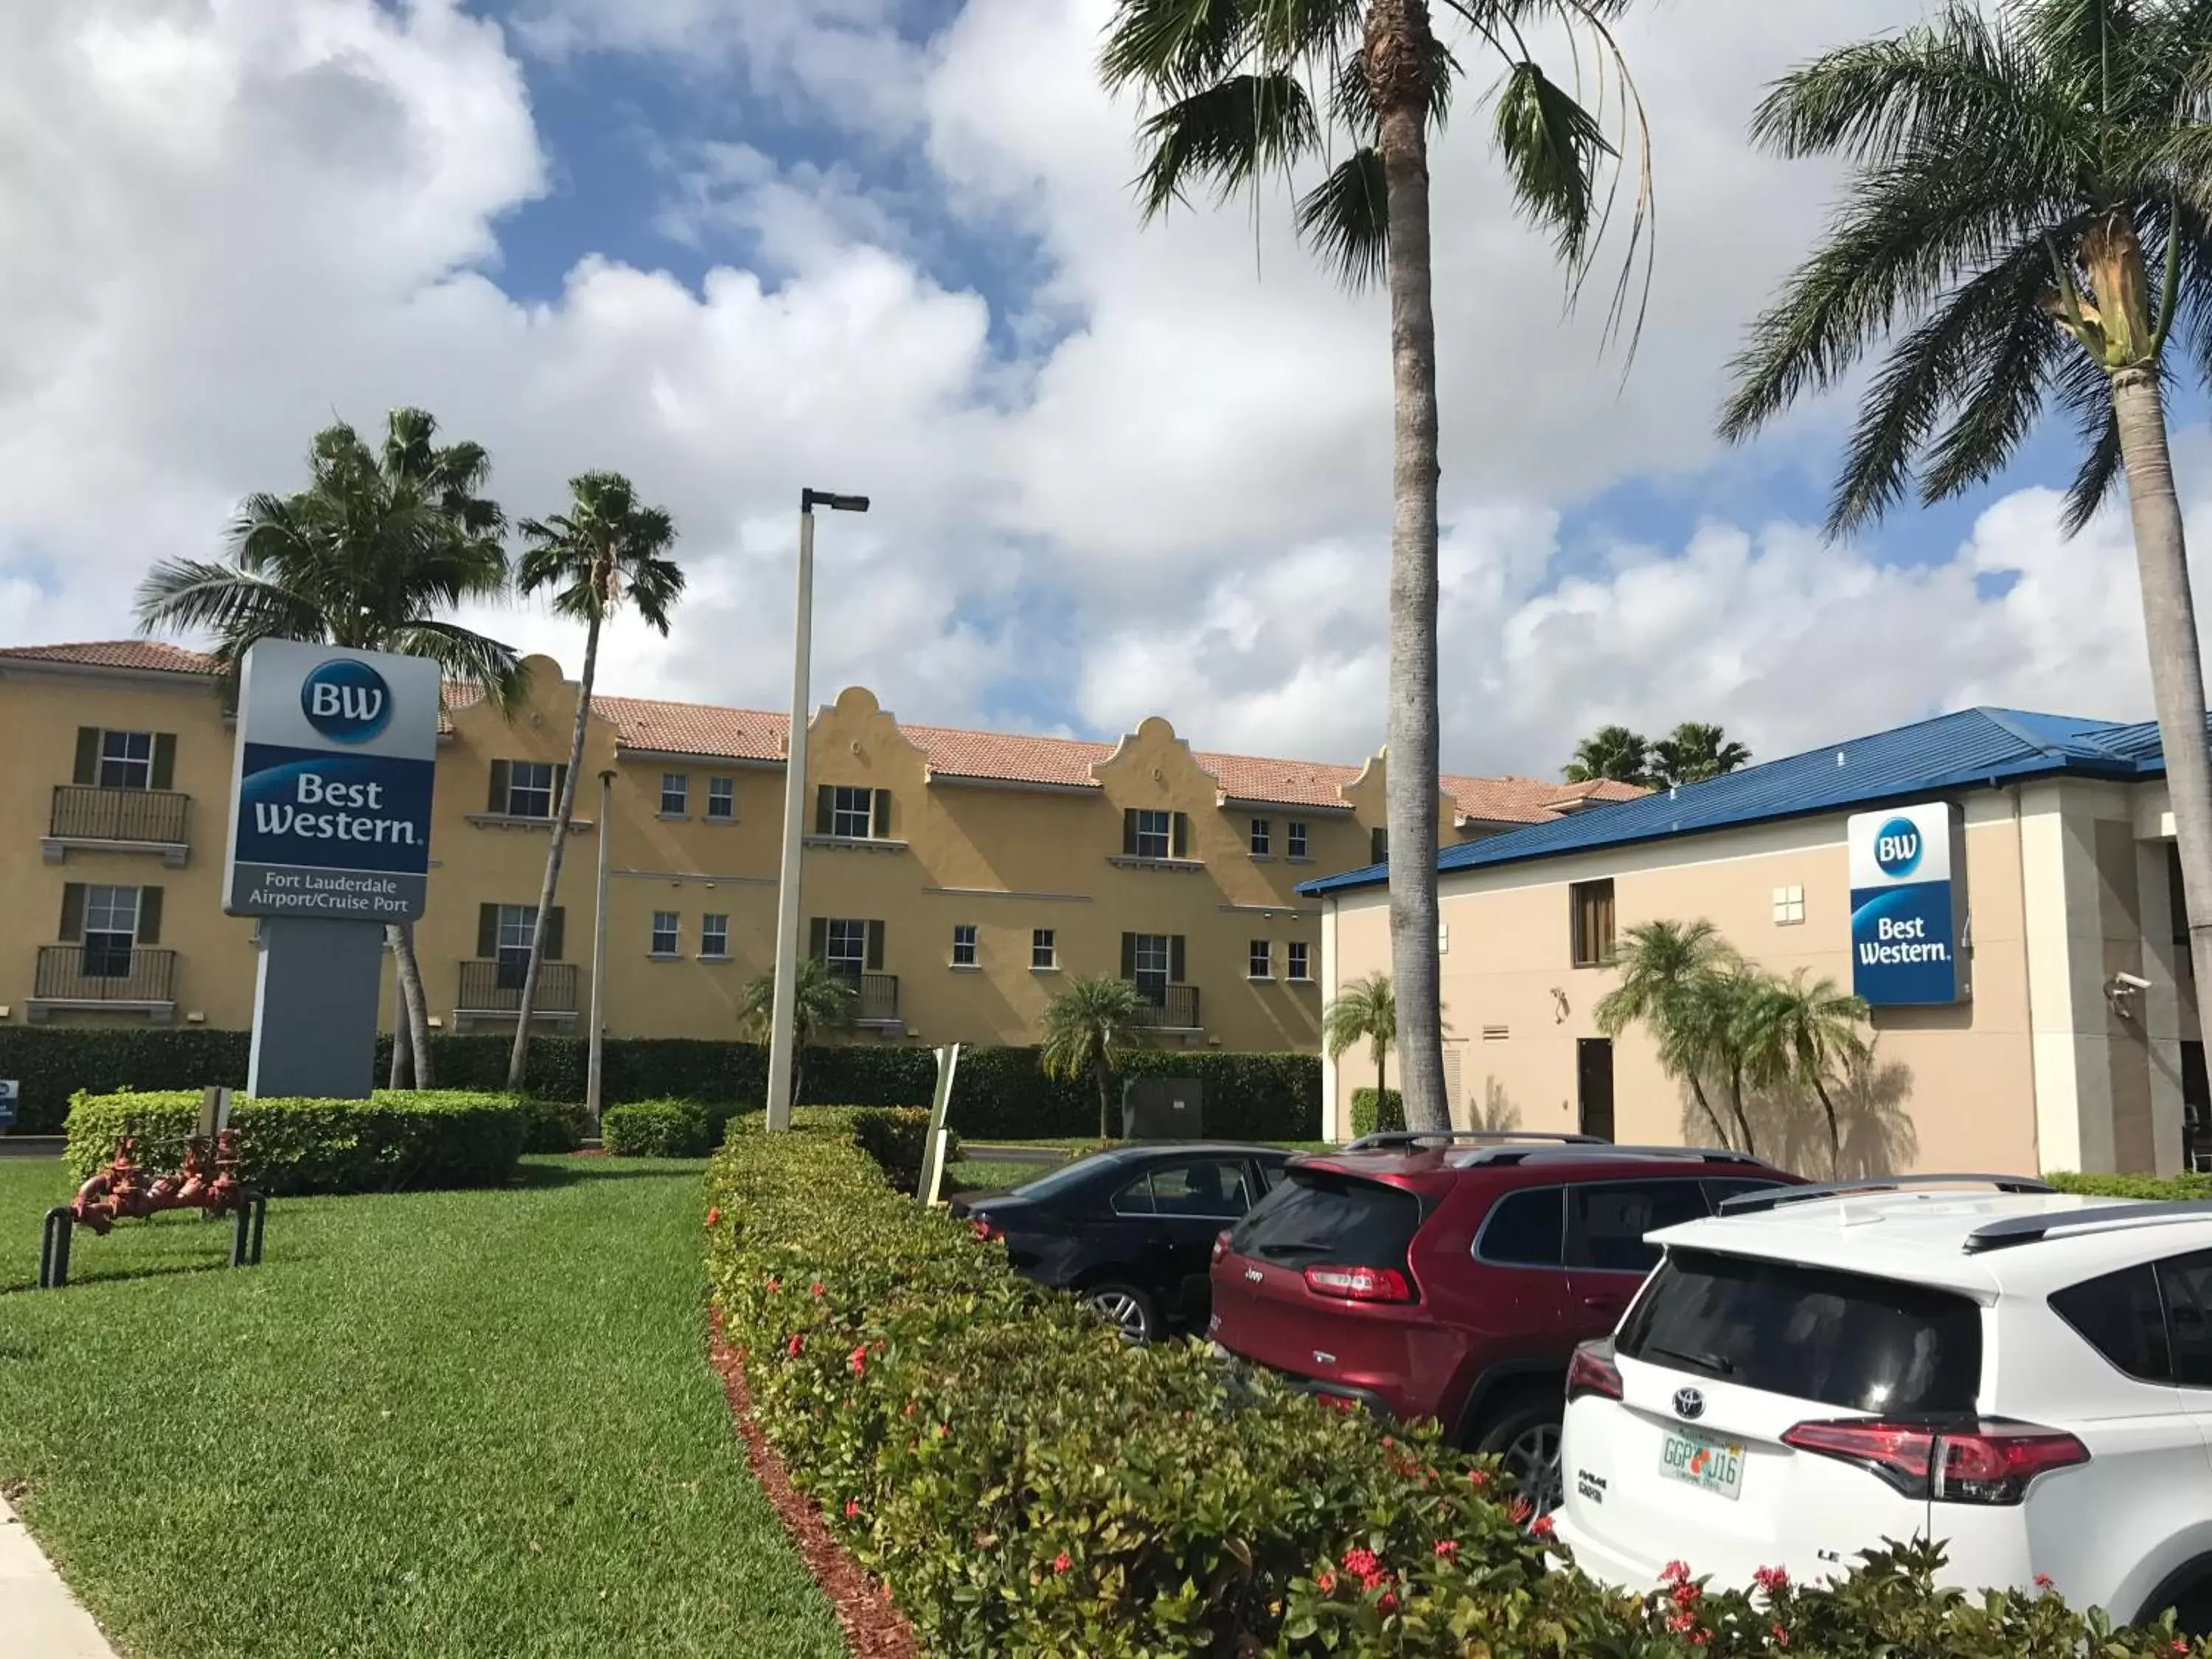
1131,1231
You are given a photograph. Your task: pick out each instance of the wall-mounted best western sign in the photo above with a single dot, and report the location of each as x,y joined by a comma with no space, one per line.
331,815
1904,932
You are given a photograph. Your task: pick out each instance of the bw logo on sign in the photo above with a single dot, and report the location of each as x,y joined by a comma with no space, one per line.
1896,848
347,701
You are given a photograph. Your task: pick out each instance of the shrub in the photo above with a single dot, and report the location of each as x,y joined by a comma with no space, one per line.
1366,1121
552,1126
2120,1186
389,1141
1027,1485
52,1063
656,1128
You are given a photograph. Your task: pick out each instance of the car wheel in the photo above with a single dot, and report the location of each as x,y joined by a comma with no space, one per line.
1525,1439
1126,1309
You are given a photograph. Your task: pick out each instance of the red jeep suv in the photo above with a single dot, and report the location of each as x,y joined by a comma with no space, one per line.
1451,1276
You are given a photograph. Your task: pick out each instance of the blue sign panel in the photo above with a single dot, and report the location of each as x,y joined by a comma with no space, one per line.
1904,944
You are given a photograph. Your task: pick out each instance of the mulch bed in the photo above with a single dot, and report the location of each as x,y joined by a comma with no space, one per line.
874,1628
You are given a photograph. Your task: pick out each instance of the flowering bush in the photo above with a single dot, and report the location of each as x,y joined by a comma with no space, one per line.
1026,1486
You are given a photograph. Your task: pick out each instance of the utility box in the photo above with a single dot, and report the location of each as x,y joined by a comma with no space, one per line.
1161,1109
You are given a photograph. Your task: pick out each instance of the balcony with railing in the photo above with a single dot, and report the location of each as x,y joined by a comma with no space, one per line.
118,979
118,820
1170,1008
493,990
875,998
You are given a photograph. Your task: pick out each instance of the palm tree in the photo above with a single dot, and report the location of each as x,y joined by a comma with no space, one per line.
607,547
1693,752
1610,752
823,1002
1366,1012
1229,86
1794,1034
371,555
2029,216
1085,1027
1666,970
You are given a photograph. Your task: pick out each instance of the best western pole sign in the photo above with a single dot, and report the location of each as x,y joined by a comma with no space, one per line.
331,815
1905,931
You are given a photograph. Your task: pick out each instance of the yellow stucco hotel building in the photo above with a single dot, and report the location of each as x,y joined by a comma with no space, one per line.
956,876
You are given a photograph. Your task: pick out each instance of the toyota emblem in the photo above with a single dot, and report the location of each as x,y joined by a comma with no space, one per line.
1689,1402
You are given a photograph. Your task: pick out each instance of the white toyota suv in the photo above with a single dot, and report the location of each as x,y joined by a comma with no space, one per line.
2023,1376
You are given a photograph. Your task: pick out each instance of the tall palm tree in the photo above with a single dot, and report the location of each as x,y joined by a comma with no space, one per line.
607,548
1666,973
1692,752
2029,215
1231,87
823,1002
1085,1028
1365,1012
1796,1034
371,554
1610,752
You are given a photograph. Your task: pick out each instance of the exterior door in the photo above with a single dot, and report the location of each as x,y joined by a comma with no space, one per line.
1594,1085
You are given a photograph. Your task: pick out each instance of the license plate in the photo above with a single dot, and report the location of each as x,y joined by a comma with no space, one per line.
1710,1465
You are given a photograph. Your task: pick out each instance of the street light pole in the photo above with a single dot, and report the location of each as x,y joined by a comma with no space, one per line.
780,1042
598,1048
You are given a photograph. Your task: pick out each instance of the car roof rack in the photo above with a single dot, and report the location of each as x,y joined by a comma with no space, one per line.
2101,1218
1607,1149
1774,1197
1417,1137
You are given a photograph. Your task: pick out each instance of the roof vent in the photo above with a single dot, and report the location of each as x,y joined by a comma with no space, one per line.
1839,757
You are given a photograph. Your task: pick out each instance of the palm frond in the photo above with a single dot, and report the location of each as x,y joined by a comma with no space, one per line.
202,596
463,654
1352,93
1553,147
1227,134
1174,45
2084,391
2006,367
1345,219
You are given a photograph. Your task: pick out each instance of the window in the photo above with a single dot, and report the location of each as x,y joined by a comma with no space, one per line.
126,759
2119,1315
963,944
1136,1198
847,948
715,936
1296,966
1318,1215
2185,1284
675,795
1215,1190
1856,1343
1589,909
525,789
516,923
1788,906
1152,956
1260,960
1263,838
1524,1229
1607,1222
1297,844
111,928
1155,832
666,941
1044,952
1378,846
721,798
852,813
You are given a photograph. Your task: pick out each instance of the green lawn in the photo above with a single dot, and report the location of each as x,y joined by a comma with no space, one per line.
438,1424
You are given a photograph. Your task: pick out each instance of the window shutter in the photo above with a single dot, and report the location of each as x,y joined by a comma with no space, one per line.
1129,956
498,801
1129,835
149,915
825,804
72,912
882,814
553,933
487,931
818,939
875,947
1180,845
1175,959
165,760
87,753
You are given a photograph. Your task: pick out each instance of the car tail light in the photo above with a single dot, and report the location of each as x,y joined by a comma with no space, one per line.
1221,1244
1983,1462
986,1229
1592,1371
1359,1284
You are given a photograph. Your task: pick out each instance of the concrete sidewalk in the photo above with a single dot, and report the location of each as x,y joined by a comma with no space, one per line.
41,1619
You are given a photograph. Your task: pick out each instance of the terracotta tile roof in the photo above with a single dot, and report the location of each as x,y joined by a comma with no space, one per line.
712,732
151,654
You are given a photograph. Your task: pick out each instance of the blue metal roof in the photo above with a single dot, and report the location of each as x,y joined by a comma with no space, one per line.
1975,747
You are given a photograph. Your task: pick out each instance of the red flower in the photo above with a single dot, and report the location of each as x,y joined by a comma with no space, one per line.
944,1428
1541,1526
1325,1581
1680,1622
1772,1580
2043,1581
1477,1478
793,1346
1061,1562
815,1289
1448,1547
1519,1510
1674,1573
1360,1563
852,1509
773,1284
1781,1636
980,1229
2179,1645
1699,1639
1687,1595
858,1360
1387,1601
1387,1442
714,1213
908,1411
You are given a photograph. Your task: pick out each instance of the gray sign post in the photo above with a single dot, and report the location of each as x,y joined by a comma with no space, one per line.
329,842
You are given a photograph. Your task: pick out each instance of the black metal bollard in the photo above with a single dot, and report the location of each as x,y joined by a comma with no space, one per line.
246,1232
54,1248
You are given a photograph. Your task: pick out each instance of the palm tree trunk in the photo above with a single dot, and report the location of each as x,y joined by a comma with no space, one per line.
403,1029
414,1005
1735,1106
1835,1134
518,1061
1697,1094
1382,1119
2177,669
1105,1102
1399,53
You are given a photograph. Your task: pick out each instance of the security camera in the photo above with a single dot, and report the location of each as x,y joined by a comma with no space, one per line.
2131,981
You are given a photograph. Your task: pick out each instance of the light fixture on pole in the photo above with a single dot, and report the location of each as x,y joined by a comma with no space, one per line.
794,798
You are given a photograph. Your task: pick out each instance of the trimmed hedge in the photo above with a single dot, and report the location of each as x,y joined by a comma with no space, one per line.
656,1128
1365,1120
1025,1486
386,1143
553,1126
53,1063
2120,1186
